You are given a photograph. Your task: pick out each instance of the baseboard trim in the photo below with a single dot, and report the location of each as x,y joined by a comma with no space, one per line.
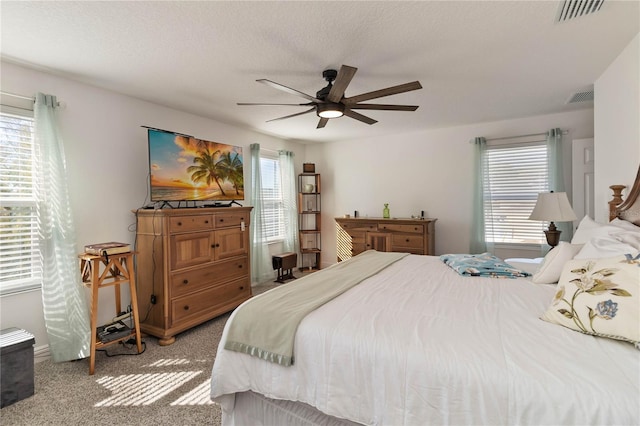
41,353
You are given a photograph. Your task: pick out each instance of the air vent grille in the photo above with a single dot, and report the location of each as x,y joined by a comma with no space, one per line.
576,8
586,96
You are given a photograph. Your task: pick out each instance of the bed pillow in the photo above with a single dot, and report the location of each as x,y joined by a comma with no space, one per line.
589,228
628,237
627,226
551,267
599,297
601,247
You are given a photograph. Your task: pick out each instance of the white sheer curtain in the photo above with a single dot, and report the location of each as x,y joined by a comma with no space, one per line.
66,312
261,269
289,201
478,241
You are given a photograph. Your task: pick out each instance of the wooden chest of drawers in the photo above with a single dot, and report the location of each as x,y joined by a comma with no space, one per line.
193,265
355,235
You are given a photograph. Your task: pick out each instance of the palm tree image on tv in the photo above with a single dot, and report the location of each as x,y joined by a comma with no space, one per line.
185,168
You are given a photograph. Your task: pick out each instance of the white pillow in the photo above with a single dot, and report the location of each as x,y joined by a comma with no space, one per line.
628,237
589,228
603,247
525,264
551,268
627,226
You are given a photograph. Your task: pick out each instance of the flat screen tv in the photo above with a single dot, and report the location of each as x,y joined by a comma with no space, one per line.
183,168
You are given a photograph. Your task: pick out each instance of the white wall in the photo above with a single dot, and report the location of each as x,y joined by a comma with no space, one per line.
617,126
430,171
107,160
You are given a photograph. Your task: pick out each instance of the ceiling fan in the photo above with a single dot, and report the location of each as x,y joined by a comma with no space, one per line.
330,102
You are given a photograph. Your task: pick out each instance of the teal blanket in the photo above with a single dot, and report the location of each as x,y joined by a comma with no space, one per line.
265,326
481,265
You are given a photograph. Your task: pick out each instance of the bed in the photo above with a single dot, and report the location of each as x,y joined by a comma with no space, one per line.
416,343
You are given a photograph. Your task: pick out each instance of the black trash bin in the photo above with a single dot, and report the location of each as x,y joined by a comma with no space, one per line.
16,362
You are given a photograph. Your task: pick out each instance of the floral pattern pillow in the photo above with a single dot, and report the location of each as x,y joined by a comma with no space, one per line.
600,297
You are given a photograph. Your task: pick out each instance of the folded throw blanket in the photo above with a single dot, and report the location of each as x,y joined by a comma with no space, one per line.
481,265
265,326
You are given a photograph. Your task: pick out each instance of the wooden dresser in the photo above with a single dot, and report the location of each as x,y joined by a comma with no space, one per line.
355,235
192,264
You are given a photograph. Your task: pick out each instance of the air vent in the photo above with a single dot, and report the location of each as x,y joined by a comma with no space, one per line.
576,8
586,96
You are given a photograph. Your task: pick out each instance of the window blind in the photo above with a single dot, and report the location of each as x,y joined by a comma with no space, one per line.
273,218
514,175
20,260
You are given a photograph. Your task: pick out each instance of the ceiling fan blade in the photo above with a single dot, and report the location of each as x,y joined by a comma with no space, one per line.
359,116
292,115
385,107
407,87
288,90
323,122
343,79
258,104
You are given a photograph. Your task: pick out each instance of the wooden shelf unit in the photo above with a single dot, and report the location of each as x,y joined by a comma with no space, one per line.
309,221
99,272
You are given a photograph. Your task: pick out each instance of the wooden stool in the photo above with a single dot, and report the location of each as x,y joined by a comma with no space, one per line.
285,261
113,270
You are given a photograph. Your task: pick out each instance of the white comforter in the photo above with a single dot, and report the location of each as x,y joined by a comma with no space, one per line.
419,344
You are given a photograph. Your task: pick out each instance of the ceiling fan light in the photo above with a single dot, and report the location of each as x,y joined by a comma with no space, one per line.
330,110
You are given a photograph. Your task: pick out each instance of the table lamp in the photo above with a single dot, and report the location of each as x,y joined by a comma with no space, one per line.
553,207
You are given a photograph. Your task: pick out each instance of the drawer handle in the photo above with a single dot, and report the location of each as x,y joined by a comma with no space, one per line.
179,223
407,240
215,245
185,282
240,266
241,287
186,307
221,220
206,221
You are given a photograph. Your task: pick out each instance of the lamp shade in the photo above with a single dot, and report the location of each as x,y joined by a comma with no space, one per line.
553,207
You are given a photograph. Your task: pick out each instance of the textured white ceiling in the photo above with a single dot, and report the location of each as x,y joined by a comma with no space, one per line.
477,61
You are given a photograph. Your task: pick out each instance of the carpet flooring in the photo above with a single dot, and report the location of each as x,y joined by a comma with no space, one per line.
163,385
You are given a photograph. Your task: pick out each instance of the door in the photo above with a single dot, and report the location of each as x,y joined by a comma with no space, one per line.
191,249
231,242
379,241
582,178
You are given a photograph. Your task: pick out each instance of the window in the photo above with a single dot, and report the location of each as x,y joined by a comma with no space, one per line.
20,260
273,214
514,175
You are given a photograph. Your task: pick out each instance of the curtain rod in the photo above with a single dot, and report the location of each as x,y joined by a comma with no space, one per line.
28,98
17,96
564,132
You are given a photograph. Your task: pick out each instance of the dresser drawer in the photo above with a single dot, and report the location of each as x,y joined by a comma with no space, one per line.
407,240
190,223
230,220
397,227
358,248
358,237
352,227
207,300
198,278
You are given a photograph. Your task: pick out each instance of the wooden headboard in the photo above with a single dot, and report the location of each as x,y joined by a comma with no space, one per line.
628,209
